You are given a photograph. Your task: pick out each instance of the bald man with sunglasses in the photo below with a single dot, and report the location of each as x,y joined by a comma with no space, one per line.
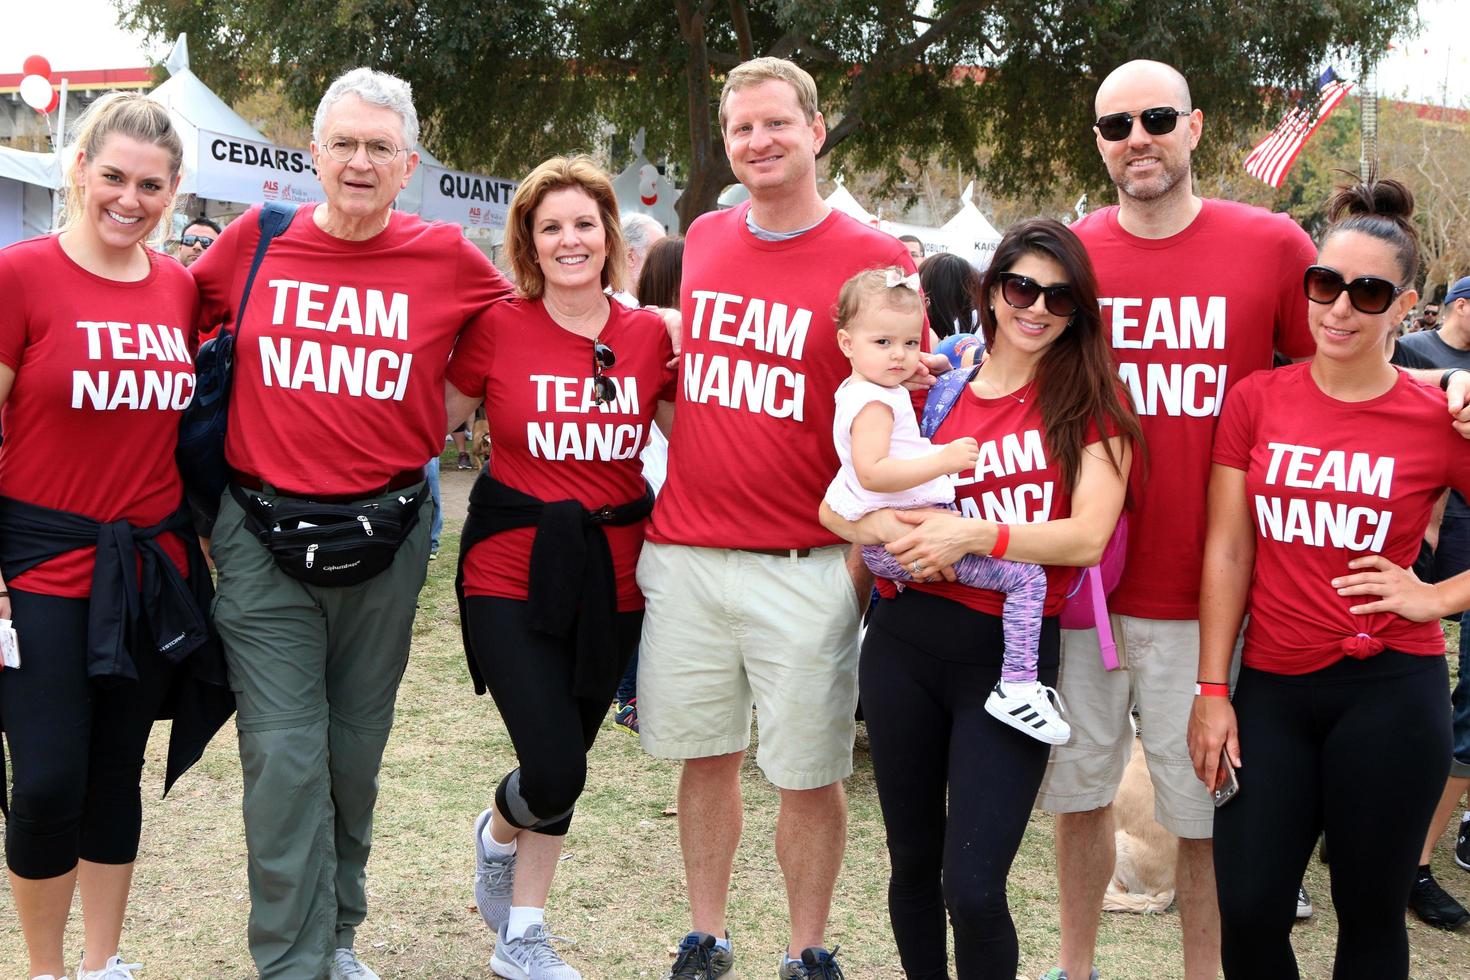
1196,294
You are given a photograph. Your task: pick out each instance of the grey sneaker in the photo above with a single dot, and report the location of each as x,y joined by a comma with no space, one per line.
530,957
345,966
494,878
815,964
1304,909
700,959
1057,973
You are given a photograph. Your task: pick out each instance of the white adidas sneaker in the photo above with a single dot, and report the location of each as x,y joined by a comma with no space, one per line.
1032,708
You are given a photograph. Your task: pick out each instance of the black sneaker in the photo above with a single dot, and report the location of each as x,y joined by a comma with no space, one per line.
1462,845
1304,907
815,964
1435,905
700,959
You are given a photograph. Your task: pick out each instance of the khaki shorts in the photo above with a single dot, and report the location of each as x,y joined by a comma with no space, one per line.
725,629
1162,658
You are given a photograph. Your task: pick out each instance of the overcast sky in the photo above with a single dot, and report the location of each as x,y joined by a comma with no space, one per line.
74,34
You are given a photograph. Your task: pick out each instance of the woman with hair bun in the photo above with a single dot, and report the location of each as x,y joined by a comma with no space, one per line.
1324,477
96,334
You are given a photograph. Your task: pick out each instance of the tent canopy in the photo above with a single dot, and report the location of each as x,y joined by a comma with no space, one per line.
842,200
41,169
194,107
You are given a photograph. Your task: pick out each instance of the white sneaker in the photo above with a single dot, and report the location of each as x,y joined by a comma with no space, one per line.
345,966
115,969
48,976
1031,708
1304,908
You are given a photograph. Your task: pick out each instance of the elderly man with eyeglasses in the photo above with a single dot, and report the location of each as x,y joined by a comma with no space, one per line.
349,324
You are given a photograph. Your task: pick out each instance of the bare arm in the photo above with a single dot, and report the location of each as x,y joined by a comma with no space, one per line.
879,472
1230,555
663,417
943,537
457,406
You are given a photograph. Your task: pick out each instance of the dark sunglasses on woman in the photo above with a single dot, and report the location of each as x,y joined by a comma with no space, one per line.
1157,121
605,389
1021,292
1368,294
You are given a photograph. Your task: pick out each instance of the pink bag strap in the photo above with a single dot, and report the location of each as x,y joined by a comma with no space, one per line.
1107,648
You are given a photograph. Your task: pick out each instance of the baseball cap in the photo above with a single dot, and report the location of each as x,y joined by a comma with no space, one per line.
1460,290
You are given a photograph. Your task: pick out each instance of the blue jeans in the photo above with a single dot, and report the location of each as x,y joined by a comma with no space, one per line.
431,474
1451,558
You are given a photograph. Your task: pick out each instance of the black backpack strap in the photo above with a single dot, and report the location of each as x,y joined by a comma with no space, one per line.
275,218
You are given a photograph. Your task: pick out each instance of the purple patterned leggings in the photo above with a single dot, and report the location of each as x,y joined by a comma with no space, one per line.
1024,586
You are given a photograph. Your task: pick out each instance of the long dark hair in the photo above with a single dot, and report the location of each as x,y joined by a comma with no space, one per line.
952,290
1077,382
663,270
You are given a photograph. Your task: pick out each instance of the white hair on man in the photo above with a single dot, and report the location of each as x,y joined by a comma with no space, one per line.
376,88
640,232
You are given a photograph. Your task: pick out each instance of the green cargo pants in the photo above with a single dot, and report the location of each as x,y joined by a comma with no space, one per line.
315,673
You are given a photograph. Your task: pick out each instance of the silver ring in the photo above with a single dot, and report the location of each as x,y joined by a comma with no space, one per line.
918,566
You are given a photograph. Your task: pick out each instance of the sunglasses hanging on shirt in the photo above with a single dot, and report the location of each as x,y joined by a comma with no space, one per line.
1157,121
1367,294
604,388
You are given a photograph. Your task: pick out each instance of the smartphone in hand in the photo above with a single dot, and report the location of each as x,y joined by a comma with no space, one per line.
1226,783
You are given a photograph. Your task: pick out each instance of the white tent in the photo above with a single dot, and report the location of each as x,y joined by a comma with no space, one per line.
27,181
640,187
975,237
842,200
193,107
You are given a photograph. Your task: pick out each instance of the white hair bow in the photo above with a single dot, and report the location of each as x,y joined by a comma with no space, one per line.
894,279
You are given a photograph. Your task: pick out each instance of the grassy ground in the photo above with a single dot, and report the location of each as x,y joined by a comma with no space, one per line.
618,891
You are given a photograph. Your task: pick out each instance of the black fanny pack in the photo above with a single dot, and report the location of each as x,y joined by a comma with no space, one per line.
330,544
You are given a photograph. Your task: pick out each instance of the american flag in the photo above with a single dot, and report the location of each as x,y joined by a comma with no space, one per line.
1275,154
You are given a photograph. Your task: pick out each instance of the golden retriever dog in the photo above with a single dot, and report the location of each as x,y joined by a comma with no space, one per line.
1143,873
480,443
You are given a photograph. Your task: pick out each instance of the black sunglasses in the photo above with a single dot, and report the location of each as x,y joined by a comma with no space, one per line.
1021,292
604,388
1156,122
203,241
1368,294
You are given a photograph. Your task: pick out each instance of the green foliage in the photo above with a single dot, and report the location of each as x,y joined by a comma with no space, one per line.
503,85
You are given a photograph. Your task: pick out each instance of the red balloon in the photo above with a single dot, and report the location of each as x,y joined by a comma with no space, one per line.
55,101
37,65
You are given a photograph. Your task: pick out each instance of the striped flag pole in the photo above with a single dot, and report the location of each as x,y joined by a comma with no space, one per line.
1274,155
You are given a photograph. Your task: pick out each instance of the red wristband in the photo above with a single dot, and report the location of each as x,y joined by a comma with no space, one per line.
1002,540
1202,690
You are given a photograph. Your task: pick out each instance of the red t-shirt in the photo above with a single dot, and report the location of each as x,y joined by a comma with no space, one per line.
752,454
1189,317
1329,481
102,371
339,370
552,440
1015,481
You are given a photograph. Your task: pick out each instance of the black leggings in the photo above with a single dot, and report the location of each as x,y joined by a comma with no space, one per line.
76,748
927,666
1358,750
529,675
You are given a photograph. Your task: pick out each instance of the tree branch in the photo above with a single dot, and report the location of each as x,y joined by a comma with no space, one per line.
740,18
